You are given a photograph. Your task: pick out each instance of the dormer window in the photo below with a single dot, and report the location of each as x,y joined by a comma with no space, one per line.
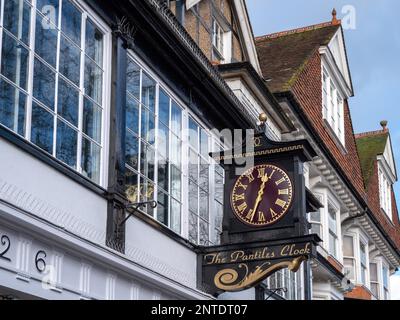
332,106
385,193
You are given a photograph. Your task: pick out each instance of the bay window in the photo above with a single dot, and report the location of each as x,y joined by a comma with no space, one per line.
332,106
167,159
52,79
349,257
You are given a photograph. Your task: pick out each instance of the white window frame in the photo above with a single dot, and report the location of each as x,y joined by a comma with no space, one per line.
385,290
332,105
385,192
377,281
352,258
186,113
87,12
336,233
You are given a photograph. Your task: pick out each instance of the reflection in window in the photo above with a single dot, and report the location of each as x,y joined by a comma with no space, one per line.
67,112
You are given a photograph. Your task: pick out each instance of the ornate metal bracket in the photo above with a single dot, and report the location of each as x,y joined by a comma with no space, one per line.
135,207
275,290
127,31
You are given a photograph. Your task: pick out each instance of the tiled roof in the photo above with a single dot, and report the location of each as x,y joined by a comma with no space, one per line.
284,55
369,146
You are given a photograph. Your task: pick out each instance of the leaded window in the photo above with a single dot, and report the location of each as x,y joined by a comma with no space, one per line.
52,79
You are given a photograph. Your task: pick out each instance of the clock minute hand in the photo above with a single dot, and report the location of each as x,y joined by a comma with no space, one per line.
264,180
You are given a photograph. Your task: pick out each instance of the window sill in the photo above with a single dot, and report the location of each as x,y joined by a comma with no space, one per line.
39,154
334,137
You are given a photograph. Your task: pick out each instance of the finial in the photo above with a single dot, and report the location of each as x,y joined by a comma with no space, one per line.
263,118
334,19
384,124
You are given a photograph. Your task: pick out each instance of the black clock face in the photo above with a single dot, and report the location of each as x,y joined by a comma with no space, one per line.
262,195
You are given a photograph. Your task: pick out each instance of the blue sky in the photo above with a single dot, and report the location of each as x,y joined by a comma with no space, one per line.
373,49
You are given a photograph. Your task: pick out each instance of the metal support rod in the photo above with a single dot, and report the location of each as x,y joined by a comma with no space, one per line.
135,207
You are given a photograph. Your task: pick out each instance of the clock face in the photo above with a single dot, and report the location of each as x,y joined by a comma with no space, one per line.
262,195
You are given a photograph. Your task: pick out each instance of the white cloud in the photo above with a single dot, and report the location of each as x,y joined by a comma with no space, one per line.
395,287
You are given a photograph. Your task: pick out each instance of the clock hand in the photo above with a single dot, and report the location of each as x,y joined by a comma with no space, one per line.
264,180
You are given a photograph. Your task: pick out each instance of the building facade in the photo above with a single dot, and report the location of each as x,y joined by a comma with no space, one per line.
106,108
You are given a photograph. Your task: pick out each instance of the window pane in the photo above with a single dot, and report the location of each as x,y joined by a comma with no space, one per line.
94,43
176,119
163,109
131,150
315,216
176,151
204,232
316,229
193,166
163,140
349,268
385,272
49,8
204,176
70,60
176,183
162,208
332,244
373,269
68,102
93,80
219,188
14,61
42,128
163,174
175,216
147,193
66,147
203,203
46,40
193,134
193,197
132,114
362,254
204,144
348,247
147,161
133,79
148,126
375,289
91,160
71,21
148,92
332,220
16,19
43,84
92,120
193,228
131,186
12,107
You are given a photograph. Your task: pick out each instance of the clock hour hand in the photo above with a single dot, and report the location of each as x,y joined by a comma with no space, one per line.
264,180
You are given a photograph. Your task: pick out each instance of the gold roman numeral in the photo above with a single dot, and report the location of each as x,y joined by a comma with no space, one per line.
280,203
238,197
283,191
250,177
273,213
242,207
261,216
250,214
280,181
243,186
261,172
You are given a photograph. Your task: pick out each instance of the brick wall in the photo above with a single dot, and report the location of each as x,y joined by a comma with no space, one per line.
308,92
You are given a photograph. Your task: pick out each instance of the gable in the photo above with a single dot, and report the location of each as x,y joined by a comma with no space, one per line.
338,49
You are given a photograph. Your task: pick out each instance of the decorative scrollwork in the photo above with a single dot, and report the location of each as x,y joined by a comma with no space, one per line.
226,279
5,241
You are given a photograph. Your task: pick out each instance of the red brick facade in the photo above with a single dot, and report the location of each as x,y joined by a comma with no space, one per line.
308,92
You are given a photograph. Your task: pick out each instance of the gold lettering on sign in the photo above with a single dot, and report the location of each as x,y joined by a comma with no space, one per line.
283,191
238,197
273,213
250,177
261,172
261,217
241,185
280,181
242,207
258,153
291,250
